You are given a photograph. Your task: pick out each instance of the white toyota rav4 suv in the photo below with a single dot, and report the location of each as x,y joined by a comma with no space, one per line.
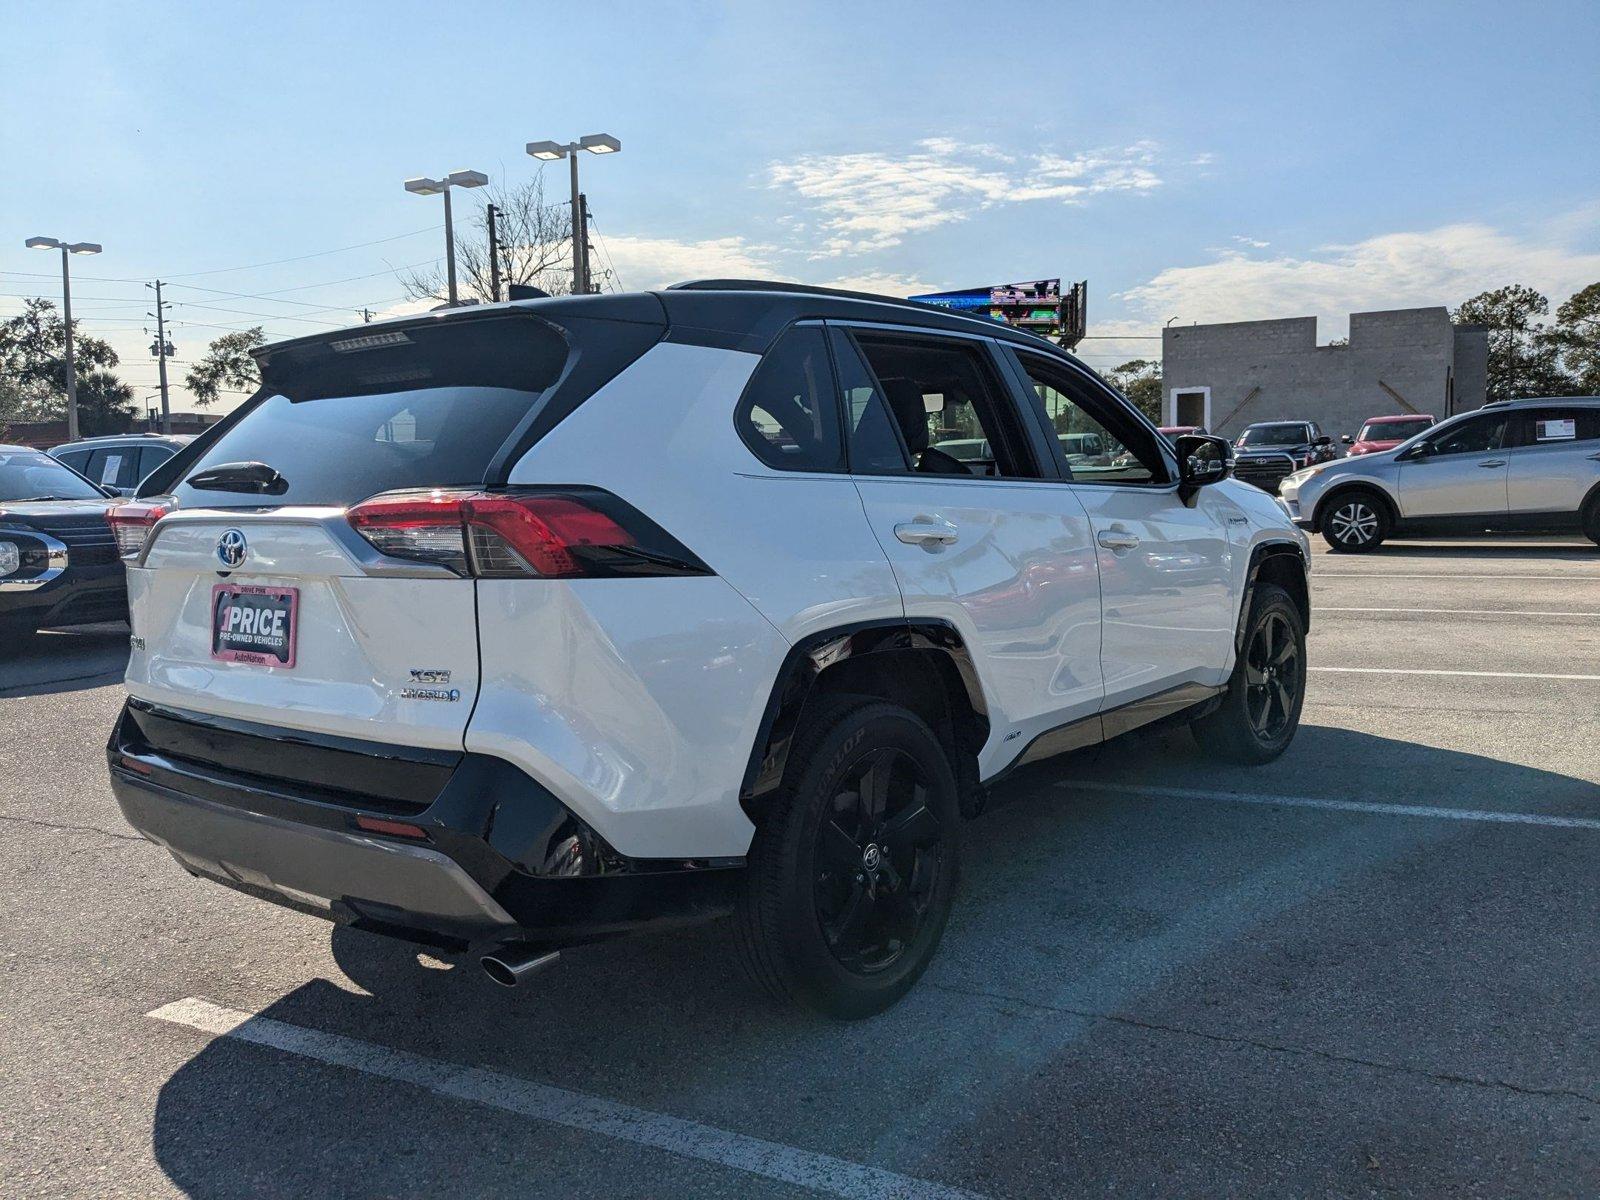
513,627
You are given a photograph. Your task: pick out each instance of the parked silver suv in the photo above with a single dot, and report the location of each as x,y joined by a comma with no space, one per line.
1523,464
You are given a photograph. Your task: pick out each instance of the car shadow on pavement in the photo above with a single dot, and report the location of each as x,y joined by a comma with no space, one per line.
1088,924
1576,550
62,660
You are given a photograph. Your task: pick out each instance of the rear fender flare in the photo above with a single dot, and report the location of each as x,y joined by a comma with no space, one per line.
810,657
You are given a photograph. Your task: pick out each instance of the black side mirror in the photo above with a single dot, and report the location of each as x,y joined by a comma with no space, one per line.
1202,459
1323,440
1420,450
1347,439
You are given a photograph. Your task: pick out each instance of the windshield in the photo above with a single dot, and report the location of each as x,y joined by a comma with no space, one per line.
30,475
1272,435
1392,431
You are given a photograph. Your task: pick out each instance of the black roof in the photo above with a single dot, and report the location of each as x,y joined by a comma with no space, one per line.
736,314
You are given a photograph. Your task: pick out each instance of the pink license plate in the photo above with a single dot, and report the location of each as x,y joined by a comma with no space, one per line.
254,624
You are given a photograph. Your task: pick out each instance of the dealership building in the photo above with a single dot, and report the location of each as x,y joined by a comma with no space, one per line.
1405,360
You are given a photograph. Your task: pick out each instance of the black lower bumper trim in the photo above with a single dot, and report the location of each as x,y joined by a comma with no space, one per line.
500,858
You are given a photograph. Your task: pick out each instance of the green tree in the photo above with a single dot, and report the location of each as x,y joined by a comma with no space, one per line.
1524,360
105,404
1577,337
1140,381
33,362
227,366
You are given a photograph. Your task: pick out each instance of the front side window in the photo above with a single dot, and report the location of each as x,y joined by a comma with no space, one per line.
951,414
1473,436
33,475
1101,442
789,415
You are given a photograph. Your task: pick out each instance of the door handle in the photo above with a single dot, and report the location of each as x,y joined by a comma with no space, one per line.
1113,539
1493,462
925,531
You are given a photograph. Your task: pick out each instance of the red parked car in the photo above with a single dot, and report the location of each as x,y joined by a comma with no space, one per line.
1385,433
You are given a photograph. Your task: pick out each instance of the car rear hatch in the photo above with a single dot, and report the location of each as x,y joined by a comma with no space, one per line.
253,596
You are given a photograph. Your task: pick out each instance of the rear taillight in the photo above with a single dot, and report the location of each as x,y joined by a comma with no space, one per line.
131,524
546,533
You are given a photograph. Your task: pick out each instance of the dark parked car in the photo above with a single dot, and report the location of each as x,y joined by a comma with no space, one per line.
1268,451
58,557
118,461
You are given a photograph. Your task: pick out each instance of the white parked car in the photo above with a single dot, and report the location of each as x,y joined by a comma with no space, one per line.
1524,464
512,627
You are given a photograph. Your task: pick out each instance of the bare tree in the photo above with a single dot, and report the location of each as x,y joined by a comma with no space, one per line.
535,246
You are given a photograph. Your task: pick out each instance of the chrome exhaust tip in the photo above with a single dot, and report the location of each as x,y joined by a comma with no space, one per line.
511,965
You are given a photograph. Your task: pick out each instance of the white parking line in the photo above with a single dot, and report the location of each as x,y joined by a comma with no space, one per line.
1433,671
1317,575
1392,810
1458,612
771,1160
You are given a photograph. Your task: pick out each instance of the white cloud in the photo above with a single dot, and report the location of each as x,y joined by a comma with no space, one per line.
642,263
882,283
873,200
1391,270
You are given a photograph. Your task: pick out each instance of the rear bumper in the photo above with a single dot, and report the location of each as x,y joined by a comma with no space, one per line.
499,860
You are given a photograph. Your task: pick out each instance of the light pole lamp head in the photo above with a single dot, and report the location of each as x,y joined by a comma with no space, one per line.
548,151
425,186
84,247
600,143
466,179
42,243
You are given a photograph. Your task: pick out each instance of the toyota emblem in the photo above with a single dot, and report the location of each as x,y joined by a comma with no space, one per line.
231,548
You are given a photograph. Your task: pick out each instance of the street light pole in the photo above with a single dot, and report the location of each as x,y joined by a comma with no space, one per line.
72,368
449,248
66,248
580,246
424,186
594,143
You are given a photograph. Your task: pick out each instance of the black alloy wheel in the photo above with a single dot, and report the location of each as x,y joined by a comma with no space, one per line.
1256,718
1272,676
853,868
879,850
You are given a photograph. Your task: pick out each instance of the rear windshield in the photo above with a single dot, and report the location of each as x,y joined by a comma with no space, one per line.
30,475
1391,431
357,414
1272,435
342,449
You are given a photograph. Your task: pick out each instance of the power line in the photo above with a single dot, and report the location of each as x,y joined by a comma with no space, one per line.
302,257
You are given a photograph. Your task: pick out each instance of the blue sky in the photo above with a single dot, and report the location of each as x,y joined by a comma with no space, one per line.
1204,162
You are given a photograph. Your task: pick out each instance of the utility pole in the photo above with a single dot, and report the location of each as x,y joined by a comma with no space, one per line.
161,357
494,255
366,316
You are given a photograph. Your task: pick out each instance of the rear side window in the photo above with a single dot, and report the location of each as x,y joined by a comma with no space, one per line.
1552,426
789,413
114,467
351,416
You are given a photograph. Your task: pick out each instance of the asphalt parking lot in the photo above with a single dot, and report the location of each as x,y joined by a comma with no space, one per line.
1372,967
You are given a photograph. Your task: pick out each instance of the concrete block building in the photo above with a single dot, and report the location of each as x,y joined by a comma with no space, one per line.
1405,360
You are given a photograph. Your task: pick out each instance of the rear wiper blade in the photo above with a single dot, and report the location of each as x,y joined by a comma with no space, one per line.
256,477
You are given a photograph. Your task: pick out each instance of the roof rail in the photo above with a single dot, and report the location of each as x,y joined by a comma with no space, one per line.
806,289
